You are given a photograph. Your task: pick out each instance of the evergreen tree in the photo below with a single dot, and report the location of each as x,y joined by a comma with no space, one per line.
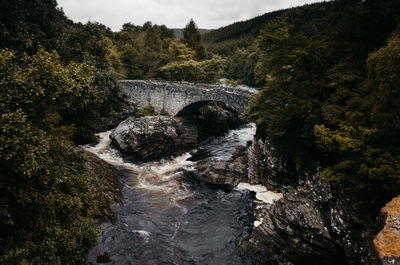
27,24
192,38
182,65
319,106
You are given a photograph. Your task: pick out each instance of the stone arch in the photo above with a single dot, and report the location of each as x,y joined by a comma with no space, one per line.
191,108
174,96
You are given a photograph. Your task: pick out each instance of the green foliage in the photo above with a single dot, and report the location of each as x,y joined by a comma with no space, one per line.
383,86
147,111
46,193
164,112
240,35
321,105
183,66
39,83
241,66
207,71
84,44
137,52
366,143
192,38
210,70
79,93
47,100
236,44
27,24
151,52
179,51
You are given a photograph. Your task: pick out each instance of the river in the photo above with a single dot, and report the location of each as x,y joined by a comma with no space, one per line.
167,216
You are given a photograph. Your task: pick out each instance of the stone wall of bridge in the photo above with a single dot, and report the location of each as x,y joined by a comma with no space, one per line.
174,96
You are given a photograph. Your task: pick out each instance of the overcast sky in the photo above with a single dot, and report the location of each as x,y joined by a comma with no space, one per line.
208,14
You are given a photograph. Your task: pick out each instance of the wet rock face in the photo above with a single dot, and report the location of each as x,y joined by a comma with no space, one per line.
216,119
309,225
225,174
295,229
387,242
266,169
155,137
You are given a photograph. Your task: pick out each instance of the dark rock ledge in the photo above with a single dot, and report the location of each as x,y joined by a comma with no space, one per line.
309,225
225,174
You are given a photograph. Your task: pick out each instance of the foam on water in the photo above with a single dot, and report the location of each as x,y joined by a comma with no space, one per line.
255,188
257,223
222,147
167,217
158,177
261,191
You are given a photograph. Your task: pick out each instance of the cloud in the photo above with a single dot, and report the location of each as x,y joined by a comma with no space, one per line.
173,13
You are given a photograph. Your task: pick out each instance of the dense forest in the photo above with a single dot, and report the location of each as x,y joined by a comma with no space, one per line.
328,78
329,100
52,96
331,90
152,52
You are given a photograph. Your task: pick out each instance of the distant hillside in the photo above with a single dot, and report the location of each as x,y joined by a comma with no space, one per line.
179,32
239,34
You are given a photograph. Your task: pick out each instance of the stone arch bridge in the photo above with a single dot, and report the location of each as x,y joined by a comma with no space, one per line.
175,96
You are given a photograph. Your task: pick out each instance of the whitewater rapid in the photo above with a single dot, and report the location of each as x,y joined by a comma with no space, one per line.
167,216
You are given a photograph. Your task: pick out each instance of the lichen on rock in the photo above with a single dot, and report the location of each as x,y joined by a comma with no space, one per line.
387,242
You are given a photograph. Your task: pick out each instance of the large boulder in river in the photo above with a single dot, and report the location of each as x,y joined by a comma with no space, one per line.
148,138
225,174
216,119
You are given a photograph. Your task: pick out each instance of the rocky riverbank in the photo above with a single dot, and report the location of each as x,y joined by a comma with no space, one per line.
303,223
166,216
387,242
311,225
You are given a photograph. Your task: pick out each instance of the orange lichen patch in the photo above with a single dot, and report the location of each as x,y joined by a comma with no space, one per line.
392,208
387,242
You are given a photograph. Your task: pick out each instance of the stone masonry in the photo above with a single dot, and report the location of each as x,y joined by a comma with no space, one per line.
174,96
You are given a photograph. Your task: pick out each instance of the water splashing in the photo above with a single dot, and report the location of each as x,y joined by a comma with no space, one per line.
167,217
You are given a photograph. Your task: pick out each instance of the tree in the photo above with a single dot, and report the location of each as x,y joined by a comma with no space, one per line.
129,27
27,24
45,192
182,65
314,108
133,62
84,43
241,65
192,38
366,144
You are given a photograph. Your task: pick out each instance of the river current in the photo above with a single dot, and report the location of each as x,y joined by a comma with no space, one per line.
167,216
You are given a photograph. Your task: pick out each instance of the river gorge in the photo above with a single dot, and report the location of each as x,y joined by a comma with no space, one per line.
168,216
224,200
